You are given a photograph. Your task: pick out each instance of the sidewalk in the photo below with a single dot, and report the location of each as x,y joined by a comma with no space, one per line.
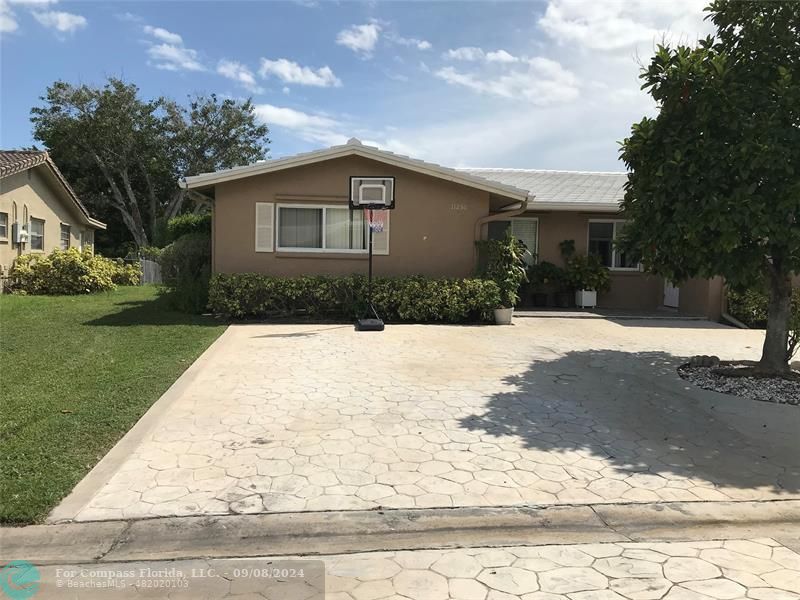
592,552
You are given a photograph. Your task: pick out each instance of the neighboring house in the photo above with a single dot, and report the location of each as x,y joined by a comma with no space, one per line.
290,217
39,211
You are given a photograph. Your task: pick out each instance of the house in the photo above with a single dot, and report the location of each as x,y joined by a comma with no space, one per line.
290,217
39,211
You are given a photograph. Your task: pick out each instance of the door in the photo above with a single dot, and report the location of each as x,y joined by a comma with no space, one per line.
671,294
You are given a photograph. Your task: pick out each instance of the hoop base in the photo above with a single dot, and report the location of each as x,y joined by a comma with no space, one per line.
369,325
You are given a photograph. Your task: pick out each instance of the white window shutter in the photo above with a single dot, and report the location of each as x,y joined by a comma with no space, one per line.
380,240
265,226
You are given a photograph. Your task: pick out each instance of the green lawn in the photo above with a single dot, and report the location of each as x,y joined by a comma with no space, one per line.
76,372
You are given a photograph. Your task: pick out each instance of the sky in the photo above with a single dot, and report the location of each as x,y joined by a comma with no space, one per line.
549,84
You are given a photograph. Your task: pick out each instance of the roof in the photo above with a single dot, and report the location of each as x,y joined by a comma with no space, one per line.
354,147
17,161
566,190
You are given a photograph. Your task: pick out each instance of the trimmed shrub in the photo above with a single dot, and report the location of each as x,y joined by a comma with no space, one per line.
70,272
398,299
182,225
750,307
185,270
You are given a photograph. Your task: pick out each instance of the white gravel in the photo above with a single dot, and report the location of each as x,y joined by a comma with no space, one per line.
764,389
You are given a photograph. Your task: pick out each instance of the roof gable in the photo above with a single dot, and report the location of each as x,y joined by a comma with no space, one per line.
18,161
355,148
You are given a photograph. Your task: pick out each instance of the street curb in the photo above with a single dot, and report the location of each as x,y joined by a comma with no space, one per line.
95,479
344,532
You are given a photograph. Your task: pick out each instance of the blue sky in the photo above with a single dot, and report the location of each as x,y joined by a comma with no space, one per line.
549,84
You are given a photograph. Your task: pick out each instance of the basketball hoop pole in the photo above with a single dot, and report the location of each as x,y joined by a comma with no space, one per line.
369,323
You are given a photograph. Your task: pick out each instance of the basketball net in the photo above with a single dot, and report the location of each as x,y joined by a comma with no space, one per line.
376,219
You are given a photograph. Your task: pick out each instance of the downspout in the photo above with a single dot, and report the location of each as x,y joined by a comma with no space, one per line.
506,212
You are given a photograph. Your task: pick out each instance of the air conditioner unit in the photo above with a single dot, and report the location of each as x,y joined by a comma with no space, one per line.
19,234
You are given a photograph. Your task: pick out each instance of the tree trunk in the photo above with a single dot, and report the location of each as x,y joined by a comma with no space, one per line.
774,358
118,201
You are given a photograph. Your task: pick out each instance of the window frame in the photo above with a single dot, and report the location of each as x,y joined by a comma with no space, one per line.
31,234
614,250
534,252
64,227
324,249
4,237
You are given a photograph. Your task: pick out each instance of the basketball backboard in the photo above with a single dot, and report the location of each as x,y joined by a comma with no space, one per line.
376,193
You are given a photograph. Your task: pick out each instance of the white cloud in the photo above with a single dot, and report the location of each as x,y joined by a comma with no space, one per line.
170,54
410,42
239,73
290,72
470,53
163,35
315,128
617,25
541,81
174,58
501,56
62,22
8,21
361,39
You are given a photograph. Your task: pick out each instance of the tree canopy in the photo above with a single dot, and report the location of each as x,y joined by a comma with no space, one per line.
124,155
714,181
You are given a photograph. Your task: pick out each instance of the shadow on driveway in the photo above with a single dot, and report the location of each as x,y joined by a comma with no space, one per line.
633,411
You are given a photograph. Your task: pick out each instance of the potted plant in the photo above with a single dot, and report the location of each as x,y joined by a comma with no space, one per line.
502,262
587,275
543,277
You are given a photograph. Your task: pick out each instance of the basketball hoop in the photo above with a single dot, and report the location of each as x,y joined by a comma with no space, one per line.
375,195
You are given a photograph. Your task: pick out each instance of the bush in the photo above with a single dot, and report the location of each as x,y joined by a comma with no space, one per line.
587,273
70,272
750,307
185,270
185,224
397,299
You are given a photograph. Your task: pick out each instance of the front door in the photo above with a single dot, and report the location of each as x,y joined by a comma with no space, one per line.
671,294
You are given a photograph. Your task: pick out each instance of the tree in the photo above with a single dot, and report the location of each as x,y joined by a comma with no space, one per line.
126,154
714,179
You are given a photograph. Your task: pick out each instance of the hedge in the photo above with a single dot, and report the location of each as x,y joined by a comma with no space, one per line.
185,269
414,299
70,272
186,224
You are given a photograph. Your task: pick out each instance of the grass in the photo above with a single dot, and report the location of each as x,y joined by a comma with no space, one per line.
76,372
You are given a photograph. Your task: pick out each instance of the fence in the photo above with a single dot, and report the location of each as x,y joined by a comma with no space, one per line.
151,271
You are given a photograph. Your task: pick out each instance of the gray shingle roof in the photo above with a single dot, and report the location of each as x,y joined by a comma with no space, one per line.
560,186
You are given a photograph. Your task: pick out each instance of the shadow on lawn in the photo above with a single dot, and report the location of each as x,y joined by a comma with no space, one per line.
641,419
151,312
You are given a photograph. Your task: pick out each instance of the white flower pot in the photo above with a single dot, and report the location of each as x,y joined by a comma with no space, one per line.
586,298
502,316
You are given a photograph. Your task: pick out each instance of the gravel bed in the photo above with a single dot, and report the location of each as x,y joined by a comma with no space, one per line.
764,389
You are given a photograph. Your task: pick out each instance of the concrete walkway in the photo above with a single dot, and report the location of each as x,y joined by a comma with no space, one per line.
632,551
286,418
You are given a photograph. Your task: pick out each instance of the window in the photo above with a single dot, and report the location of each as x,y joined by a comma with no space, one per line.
525,229
65,235
3,226
87,240
602,235
37,234
322,229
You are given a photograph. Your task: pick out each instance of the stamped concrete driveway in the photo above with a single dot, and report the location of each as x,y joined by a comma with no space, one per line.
319,417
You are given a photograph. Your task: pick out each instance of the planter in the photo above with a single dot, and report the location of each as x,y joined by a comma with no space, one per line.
563,299
502,316
586,298
539,299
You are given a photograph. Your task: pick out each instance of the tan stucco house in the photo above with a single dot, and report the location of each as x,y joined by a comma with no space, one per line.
290,217
39,211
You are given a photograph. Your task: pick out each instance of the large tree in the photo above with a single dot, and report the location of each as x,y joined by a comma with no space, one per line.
124,154
714,179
